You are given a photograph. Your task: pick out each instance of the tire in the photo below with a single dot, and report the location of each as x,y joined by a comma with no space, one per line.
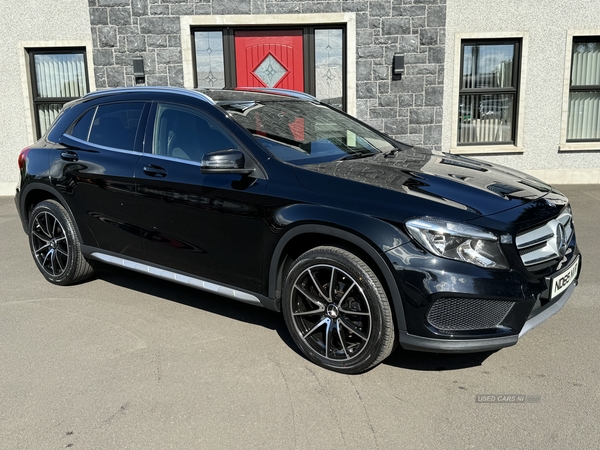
55,246
337,311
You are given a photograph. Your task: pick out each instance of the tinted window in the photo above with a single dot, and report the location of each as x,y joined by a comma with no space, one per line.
184,133
115,125
81,130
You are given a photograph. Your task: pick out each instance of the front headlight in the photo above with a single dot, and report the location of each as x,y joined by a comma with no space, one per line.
458,241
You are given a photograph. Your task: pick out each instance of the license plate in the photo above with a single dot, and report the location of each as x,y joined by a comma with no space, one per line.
561,282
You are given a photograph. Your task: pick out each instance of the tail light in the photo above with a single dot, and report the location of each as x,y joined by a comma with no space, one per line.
23,157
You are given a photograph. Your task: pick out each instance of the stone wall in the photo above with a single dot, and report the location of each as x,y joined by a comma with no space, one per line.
409,108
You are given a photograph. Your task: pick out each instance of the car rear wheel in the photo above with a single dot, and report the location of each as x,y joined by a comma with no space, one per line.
55,246
337,311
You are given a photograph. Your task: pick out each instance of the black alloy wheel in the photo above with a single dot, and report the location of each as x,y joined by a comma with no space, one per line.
337,311
55,246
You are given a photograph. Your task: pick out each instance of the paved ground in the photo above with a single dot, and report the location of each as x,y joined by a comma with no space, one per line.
129,362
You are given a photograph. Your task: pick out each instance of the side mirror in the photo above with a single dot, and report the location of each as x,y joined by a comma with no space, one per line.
225,161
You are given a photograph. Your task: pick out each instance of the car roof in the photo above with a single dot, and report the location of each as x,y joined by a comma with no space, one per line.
211,95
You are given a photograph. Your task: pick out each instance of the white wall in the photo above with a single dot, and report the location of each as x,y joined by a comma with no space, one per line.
31,23
545,24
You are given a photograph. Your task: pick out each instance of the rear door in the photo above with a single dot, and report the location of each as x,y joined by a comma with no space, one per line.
93,167
206,225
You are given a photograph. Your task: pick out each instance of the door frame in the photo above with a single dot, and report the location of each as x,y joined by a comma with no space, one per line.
273,21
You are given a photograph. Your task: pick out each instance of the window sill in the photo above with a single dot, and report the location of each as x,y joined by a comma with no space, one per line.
579,147
485,149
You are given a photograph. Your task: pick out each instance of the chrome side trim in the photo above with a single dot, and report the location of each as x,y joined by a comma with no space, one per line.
196,283
102,147
172,158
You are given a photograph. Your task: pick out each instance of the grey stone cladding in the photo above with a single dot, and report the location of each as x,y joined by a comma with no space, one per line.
409,108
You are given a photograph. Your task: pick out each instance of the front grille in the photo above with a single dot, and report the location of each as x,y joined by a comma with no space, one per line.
449,315
545,245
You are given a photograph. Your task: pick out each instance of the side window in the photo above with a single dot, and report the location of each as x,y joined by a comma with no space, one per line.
115,125
81,130
184,133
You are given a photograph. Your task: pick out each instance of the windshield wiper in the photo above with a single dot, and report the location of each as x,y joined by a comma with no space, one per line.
392,152
357,155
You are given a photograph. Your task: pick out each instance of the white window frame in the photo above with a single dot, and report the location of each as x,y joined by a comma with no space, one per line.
492,148
565,146
346,19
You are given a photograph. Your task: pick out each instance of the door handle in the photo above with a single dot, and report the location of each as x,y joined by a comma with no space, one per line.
69,156
155,171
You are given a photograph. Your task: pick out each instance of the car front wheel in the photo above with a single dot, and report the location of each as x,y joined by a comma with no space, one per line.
337,311
55,246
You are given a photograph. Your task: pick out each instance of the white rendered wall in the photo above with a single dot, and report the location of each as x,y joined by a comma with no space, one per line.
31,23
546,25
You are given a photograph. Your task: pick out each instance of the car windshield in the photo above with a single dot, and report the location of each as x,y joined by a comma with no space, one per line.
303,132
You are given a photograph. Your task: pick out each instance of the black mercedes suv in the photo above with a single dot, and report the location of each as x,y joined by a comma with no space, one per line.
273,198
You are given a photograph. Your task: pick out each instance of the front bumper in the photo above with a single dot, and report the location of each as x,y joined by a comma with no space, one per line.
427,344
452,307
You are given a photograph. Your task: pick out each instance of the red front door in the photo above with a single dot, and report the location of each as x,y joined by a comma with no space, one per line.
270,59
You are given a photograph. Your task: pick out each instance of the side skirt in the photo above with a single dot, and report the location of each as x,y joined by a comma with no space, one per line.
186,280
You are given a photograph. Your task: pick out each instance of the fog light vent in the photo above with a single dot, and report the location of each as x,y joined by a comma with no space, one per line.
466,314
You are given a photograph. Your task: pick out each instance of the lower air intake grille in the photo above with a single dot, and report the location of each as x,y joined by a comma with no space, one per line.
465,314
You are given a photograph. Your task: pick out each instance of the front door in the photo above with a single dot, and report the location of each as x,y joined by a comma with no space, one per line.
272,59
194,222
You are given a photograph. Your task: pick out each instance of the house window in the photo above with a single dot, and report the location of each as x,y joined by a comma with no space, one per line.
210,63
329,66
57,77
304,58
488,92
583,123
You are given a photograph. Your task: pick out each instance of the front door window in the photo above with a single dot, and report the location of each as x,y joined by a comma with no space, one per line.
270,72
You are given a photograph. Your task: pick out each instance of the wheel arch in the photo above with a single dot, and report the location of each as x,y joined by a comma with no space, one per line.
35,193
304,237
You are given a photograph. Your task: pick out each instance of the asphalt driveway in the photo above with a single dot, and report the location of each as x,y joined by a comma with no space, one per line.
126,361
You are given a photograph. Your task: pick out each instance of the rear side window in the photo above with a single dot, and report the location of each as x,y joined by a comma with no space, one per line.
81,130
114,125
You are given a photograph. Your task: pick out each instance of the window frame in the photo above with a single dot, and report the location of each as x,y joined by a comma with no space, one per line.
511,90
345,19
520,74
566,145
36,100
139,134
309,52
154,126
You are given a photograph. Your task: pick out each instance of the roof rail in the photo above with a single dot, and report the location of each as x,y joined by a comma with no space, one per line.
134,89
286,92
